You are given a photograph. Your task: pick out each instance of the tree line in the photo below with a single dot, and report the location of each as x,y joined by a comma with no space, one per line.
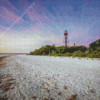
80,51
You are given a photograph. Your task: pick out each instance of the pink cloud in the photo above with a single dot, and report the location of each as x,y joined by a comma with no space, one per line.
11,6
2,27
85,3
87,40
34,15
23,4
5,18
30,15
8,16
93,3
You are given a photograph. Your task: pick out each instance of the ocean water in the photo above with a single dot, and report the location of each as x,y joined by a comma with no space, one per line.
10,54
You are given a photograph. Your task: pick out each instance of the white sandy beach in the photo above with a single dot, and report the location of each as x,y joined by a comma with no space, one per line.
51,78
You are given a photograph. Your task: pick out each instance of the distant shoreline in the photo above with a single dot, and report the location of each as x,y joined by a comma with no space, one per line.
10,54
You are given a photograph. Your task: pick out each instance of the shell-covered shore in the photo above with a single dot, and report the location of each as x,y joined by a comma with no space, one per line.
26,77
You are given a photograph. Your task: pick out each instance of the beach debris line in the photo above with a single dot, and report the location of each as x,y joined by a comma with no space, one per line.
6,83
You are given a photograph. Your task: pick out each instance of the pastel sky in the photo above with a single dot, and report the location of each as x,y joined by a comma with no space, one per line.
26,25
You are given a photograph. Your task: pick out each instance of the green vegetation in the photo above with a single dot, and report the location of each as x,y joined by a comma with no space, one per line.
75,51
94,49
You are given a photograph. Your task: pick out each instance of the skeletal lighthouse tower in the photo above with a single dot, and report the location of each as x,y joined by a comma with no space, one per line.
65,33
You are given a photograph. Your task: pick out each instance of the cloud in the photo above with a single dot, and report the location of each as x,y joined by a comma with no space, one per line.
9,16
42,25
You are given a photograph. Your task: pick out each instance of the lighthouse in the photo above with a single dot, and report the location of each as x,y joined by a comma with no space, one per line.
65,33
